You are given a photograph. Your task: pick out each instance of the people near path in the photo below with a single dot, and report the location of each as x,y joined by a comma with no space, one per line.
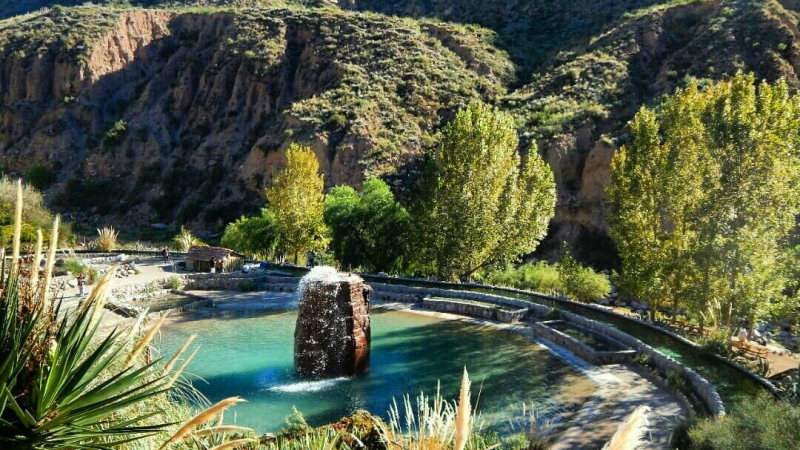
81,283
165,254
213,265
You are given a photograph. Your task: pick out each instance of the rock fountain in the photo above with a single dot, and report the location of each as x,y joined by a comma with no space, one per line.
332,335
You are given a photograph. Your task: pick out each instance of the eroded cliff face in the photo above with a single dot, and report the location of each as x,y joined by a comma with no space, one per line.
148,115
184,117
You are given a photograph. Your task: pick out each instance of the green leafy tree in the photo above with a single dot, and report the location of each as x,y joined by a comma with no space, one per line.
704,195
654,191
256,236
370,230
297,201
484,205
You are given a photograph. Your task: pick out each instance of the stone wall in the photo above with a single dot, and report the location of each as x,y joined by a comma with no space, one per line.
436,285
704,391
580,349
392,291
473,310
240,281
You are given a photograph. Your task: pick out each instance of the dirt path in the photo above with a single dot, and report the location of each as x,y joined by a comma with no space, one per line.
150,269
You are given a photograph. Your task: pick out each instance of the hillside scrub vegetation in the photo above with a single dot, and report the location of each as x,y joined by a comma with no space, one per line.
35,216
764,423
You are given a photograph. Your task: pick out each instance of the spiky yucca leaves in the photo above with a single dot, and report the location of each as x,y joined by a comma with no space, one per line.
107,239
64,384
54,402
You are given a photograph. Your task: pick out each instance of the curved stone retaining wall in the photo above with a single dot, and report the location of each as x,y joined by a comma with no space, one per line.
597,357
473,310
445,285
698,385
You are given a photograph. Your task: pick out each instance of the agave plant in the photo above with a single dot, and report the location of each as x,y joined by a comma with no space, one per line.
66,385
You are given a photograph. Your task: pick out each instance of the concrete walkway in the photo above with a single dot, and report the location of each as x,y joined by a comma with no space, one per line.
150,269
621,389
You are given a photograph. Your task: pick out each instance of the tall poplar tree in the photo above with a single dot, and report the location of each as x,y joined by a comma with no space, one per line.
704,195
485,205
296,199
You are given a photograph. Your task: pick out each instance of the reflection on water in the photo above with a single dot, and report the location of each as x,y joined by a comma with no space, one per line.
249,354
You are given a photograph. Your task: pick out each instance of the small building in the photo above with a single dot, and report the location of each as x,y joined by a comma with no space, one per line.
199,259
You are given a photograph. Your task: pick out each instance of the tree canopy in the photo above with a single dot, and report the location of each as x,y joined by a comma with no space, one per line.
485,205
296,199
704,195
368,230
255,236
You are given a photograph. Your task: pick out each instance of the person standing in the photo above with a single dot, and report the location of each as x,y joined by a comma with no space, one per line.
213,265
81,283
165,254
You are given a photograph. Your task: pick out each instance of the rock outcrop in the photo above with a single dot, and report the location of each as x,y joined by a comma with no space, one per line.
332,335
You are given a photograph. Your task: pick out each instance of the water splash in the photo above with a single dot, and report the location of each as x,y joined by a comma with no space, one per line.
320,278
308,386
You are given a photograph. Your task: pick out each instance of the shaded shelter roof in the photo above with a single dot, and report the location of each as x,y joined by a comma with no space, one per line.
205,253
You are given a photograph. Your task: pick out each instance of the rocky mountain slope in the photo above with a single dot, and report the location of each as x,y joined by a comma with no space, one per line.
180,114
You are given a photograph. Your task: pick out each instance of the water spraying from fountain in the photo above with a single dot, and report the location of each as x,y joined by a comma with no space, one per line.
332,335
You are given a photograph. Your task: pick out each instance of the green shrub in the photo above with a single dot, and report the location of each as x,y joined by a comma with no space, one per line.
174,282
538,277
92,275
75,267
764,423
582,283
185,240
41,177
719,342
115,134
677,381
